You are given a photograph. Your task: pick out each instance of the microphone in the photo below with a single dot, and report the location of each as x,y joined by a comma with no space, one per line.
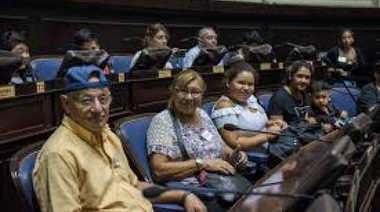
155,191
191,39
129,39
232,127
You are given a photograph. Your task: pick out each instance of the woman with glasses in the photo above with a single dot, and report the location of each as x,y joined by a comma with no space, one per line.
182,140
239,107
156,36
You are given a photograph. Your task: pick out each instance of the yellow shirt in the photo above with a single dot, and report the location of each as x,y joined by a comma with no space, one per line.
77,171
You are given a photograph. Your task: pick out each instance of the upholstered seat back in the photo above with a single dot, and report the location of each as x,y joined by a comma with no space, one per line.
121,64
21,167
46,68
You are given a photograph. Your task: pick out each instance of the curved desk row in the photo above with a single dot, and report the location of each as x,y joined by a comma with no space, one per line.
33,108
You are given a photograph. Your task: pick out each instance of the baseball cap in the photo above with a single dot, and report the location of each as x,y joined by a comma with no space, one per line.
77,78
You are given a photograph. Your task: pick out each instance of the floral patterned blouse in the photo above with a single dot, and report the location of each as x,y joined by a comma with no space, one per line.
201,141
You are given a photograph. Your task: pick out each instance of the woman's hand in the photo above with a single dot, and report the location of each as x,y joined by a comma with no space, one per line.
274,130
218,165
277,122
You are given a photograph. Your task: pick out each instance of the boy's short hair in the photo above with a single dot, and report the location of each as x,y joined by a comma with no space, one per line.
377,67
318,86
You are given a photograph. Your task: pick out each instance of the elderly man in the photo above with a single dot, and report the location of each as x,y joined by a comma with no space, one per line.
207,38
82,166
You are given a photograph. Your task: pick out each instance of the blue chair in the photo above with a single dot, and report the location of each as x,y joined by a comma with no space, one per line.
121,64
46,68
21,167
264,98
343,100
208,107
132,131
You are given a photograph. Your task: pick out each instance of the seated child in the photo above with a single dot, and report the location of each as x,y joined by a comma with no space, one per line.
323,111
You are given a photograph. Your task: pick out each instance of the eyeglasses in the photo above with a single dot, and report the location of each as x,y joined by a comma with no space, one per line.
182,93
89,101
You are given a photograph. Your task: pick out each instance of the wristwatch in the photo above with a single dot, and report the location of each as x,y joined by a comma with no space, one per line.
199,163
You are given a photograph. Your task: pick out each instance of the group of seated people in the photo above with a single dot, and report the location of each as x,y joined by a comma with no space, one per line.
83,167
341,60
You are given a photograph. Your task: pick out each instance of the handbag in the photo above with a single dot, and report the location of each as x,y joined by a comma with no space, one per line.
292,138
228,187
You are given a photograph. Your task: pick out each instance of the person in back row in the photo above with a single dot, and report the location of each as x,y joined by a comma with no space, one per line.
370,94
86,40
207,38
322,111
82,166
291,102
156,36
344,58
14,42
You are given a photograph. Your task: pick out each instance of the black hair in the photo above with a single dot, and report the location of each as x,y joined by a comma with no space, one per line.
253,36
152,30
340,33
10,39
295,67
235,69
84,35
376,67
318,86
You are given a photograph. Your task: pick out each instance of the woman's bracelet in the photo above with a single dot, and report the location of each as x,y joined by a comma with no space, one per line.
184,196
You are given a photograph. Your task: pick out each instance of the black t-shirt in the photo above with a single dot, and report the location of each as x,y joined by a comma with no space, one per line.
322,117
283,104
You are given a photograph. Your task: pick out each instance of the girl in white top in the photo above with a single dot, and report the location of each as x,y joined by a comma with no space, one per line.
241,108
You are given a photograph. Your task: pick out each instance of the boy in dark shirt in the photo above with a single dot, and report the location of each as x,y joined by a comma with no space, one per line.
322,110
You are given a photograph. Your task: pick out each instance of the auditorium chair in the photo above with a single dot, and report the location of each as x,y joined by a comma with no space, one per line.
343,100
264,99
46,68
132,131
120,64
208,104
21,167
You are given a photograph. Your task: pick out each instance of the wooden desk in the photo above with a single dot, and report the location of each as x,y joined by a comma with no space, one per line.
27,114
287,177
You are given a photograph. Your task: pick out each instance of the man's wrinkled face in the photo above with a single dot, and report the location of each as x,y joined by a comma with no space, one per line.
89,108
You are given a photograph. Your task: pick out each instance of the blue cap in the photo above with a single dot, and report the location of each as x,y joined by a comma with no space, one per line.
77,78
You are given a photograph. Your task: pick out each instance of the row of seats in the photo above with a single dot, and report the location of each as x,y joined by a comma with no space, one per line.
343,98
46,68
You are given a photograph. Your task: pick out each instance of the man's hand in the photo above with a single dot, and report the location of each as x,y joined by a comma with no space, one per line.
193,204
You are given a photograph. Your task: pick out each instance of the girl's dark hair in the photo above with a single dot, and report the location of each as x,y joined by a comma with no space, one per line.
235,69
318,86
84,35
294,68
152,30
376,67
10,39
253,36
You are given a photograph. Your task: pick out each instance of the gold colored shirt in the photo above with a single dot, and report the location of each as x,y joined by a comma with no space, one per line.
77,171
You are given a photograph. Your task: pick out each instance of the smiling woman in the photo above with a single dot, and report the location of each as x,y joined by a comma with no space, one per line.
185,124
239,106
291,101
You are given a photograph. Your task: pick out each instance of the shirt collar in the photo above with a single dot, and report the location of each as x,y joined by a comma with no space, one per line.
84,133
